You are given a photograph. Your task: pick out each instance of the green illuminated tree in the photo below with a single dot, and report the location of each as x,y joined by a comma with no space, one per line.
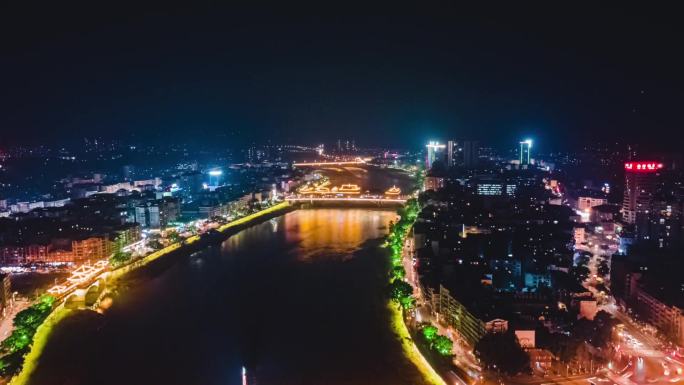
119,242
28,318
400,289
419,177
174,237
119,258
45,302
443,345
407,302
398,272
11,363
429,332
18,340
26,322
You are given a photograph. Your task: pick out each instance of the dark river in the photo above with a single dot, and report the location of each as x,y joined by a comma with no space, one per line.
298,300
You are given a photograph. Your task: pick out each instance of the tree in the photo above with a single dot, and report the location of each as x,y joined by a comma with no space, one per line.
119,258
407,302
604,329
419,177
26,322
401,292
603,268
18,340
33,316
174,237
398,273
119,242
583,258
579,273
155,244
429,332
400,289
597,332
565,348
443,345
10,363
583,329
503,352
28,318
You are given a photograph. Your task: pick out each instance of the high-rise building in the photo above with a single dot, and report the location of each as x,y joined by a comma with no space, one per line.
215,177
346,146
640,183
664,227
435,151
128,172
525,149
471,153
157,214
451,153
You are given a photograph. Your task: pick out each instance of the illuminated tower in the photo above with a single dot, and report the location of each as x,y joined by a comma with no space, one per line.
434,152
525,149
640,183
215,177
451,148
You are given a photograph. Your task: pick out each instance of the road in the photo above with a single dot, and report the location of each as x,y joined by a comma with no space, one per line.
639,357
6,325
463,353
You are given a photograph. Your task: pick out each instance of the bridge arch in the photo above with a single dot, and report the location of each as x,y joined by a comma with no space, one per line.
76,299
94,291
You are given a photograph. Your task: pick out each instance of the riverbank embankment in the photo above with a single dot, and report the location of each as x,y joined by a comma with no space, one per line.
195,242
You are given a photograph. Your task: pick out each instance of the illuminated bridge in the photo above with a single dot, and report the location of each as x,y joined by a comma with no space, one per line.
346,194
363,200
331,163
84,286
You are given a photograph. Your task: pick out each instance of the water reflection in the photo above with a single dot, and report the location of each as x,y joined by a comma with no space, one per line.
333,232
200,318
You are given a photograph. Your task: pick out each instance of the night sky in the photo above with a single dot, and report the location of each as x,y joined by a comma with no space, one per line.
385,74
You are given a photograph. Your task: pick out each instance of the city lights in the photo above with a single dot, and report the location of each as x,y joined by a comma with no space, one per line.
643,166
525,149
434,152
337,197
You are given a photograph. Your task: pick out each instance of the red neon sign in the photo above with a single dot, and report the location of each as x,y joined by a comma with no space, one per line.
643,166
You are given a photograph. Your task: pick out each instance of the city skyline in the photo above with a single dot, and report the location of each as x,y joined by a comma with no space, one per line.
341,194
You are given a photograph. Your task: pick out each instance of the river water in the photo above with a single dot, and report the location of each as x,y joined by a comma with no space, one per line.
297,299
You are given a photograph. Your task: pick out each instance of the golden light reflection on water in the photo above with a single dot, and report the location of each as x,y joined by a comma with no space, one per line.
369,178
337,232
